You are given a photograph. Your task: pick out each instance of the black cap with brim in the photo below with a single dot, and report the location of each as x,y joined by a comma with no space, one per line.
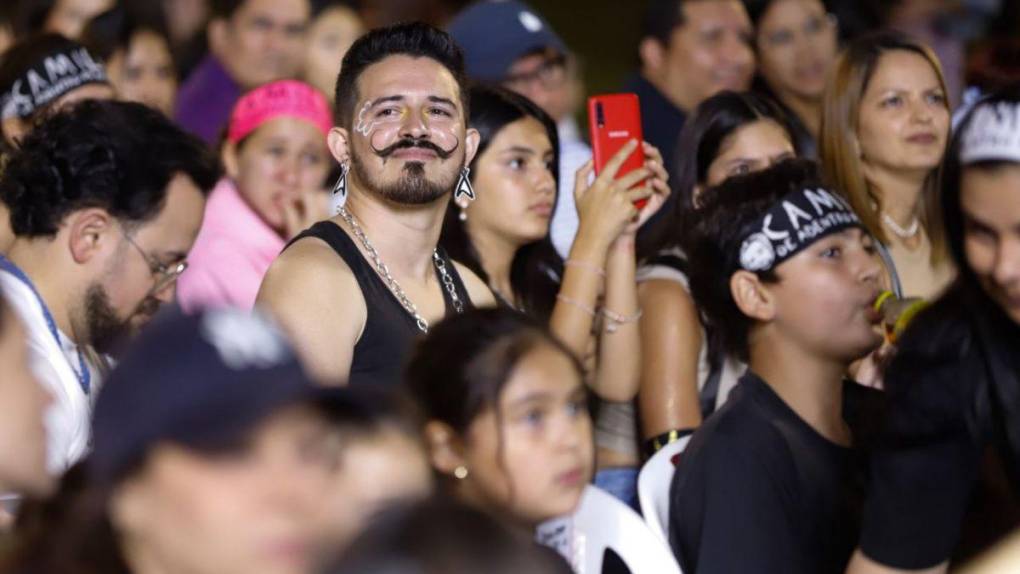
201,381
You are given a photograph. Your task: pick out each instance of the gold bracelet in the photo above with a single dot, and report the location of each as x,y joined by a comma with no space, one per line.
578,304
585,265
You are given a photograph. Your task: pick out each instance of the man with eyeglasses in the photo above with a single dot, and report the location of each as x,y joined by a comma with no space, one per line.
508,43
106,199
689,51
251,42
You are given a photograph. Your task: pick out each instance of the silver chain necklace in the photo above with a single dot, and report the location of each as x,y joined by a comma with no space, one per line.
391,283
900,232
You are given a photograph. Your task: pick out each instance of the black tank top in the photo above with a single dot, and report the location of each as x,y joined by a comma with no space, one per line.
390,331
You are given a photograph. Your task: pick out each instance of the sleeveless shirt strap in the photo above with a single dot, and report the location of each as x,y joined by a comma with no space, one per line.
670,260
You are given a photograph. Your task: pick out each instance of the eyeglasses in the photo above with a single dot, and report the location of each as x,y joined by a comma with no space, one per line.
812,29
550,73
164,274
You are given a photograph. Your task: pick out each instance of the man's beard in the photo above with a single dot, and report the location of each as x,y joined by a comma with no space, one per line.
413,187
107,332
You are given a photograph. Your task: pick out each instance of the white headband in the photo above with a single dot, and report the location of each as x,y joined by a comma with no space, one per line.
993,133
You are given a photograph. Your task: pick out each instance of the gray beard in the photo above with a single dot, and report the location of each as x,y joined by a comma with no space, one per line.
413,187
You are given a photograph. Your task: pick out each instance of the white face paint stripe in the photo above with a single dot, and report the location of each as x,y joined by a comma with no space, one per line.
361,127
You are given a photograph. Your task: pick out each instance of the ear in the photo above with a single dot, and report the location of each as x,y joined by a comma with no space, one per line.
339,143
90,233
230,160
444,446
652,53
752,297
471,142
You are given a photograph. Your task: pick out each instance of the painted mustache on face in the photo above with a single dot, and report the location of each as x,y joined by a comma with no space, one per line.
408,143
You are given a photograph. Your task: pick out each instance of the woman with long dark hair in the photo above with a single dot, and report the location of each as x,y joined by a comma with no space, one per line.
952,435
683,376
589,300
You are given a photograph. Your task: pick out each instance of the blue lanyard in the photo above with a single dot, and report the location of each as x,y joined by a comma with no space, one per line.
85,376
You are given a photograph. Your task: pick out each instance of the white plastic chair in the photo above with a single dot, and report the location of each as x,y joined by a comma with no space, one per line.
653,486
600,522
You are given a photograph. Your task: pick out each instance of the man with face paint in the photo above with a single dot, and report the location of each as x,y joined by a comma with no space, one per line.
356,291
106,199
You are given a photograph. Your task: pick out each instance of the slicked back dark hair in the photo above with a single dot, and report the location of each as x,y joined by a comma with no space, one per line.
726,213
116,156
416,40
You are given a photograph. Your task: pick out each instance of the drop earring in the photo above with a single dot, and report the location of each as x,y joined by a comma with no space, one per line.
339,195
464,185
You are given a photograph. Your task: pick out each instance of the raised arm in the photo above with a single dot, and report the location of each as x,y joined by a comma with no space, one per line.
671,340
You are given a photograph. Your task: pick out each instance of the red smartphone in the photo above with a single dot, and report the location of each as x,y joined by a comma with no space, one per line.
614,120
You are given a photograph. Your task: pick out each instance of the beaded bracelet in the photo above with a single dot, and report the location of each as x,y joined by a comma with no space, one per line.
585,265
578,304
615,320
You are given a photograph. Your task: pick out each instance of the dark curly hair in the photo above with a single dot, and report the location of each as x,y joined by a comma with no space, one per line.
117,156
713,248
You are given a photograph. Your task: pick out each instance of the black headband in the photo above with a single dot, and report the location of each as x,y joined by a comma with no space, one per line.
796,221
49,79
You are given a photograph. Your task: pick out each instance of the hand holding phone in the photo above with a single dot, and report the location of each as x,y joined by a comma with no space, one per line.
614,120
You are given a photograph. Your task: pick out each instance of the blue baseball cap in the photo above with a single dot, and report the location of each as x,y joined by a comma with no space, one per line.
495,33
200,381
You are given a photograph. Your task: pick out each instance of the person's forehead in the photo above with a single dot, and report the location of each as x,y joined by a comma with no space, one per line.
85,92
706,12
284,10
402,75
534,59
992,194
898,68
175,225
543,372
523,131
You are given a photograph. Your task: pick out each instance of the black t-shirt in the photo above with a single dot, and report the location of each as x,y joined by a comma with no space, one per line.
940,487
759,490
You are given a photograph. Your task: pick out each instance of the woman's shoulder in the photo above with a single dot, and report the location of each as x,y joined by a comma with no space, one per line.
668,265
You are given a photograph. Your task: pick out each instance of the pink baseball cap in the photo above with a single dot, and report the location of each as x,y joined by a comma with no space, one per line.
283,98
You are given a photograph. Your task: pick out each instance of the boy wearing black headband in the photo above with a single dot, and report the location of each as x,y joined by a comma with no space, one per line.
786,276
